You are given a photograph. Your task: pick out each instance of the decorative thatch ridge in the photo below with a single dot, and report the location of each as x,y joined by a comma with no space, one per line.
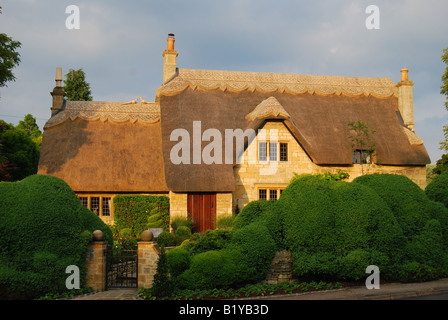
118,112
268,108
233,81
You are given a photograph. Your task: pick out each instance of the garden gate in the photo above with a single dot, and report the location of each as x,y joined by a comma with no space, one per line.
122,270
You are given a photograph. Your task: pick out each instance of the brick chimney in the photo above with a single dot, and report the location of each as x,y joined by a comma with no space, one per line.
169,60
58,93
405,100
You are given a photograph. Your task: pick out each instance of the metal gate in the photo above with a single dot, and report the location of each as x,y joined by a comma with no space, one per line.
122,271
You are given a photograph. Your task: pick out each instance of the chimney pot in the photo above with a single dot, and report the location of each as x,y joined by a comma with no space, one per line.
170,41
58,78
404,75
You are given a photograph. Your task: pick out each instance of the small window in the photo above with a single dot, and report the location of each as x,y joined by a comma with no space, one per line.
273,151
273,194
262,151
106,206
361,157
283,152
262,194
95,205
84,201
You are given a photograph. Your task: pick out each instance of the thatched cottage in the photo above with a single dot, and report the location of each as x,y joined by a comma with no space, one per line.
215,140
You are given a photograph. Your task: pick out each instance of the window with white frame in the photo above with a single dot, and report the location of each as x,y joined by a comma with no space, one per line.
271,193
98,204
272,150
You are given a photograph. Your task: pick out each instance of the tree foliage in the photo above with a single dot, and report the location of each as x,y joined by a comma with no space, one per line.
76,87
9,58
19,153
30,126
444,87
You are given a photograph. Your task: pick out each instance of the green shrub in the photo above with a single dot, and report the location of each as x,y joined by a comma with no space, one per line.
210,269
437,189
138,213
210,240
166,239
258,248
328,224
162,285
44,228
179,222
182,233
407,200
178,261
423,221
266,212
253,211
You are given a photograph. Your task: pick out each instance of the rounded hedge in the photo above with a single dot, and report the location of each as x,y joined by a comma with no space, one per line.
166,239
437,189
333,228
44,229
178,261
265,212
424,224
182,233
406,199
210,269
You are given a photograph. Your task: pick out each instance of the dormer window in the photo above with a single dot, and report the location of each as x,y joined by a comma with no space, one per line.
362,157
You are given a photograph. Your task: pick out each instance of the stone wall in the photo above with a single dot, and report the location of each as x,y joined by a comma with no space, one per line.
281,268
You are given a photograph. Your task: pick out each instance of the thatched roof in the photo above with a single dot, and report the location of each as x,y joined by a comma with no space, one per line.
105,147
116,147
316,109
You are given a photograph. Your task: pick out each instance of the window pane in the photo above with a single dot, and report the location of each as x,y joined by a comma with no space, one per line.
356,157
84,201
272,194
273,151
106,206
361,156
262,151
262,194
95,205
365,156
283,152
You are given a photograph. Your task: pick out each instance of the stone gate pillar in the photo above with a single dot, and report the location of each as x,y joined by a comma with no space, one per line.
96,262
148,255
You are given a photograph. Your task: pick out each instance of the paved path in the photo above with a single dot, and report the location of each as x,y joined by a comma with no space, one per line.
112,294
386,292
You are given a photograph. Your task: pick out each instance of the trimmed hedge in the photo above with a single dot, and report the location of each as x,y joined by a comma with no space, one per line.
138,213
334,227
43,229
437,189
424,224
266,212
223,258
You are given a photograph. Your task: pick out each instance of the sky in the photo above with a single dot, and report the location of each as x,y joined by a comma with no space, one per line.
119,46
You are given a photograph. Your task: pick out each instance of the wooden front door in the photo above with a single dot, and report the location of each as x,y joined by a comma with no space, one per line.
202,210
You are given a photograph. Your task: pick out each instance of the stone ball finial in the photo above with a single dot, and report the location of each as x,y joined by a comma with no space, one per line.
147,235
98,235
